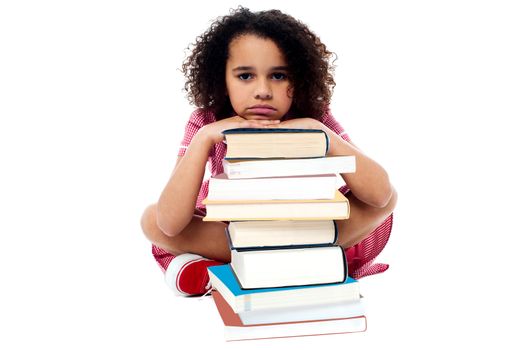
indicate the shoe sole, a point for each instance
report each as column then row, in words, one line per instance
column 176, row 268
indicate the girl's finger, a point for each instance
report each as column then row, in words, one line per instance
column 259, row 123
column 271, row 122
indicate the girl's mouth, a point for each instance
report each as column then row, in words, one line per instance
column 261, row 109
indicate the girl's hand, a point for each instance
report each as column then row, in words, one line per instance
column 214, row 131
column 300, row 123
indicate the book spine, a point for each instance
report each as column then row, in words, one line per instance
column 336, row 232
column 327, row 143
column 228, row 238
column 345, row 265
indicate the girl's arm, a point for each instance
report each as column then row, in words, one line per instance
column 176, row 204
column 370, row 184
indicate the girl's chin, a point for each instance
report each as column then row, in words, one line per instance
column 261, row 117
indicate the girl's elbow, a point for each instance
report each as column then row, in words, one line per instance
column 385, row 198
column 151, row 223
column 388, row 199
column 166, row 226
column 166, row 229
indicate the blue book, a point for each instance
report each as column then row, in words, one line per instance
column 225, row 282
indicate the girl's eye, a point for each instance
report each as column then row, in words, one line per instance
column 279, row 76
column 244, row 76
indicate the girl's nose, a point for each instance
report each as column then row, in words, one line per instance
column 263, row 91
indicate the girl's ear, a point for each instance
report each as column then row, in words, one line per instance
column 290, row 92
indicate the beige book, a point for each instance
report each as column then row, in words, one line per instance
column 275, row 143
column 319, row 209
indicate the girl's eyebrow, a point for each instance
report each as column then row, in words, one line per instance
column 280, row 68
column 242, row 68
column 245, row 68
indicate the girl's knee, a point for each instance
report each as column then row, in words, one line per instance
column 154, row 234
column 389, row 208
column 149, row 220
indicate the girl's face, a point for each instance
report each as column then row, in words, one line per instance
column 257, row 78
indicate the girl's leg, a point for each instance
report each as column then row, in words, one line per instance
column 363, row 220
column 208, row 239
column 364, row 235
column 205, row 238
column 360, row 257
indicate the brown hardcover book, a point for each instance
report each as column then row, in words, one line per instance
column 236, row 330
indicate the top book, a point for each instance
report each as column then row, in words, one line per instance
column 253, row 143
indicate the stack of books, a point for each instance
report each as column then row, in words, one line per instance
column 287, row 276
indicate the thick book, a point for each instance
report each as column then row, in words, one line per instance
column 314, row 209
column 235, row 329
column 242, row 169
column 268, row 268
column 249, row 143
column 323, row 186
column 224, row 281
column 329, row 310
column 246, row 234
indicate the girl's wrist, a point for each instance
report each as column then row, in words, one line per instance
column 338, row 146
column 323, row 127
column 204, row 137
column 315, row 124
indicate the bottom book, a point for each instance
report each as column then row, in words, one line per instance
column 235, row 329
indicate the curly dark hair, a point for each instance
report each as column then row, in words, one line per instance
column 310, row 71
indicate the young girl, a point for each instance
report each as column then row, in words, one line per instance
column 258, row 70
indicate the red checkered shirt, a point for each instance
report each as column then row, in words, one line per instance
column 359, row 257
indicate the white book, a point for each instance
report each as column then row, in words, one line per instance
column 245, row 234
column 242, row 169
column 267, row 268
column 316, row 312
column 268, row 188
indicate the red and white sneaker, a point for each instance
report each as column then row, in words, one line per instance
column 187, row 274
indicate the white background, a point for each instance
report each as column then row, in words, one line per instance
column 92, row 112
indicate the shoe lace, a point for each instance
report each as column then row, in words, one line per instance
column 208, row 288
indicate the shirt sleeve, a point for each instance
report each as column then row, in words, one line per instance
column 329, row 121
column 197, row 120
